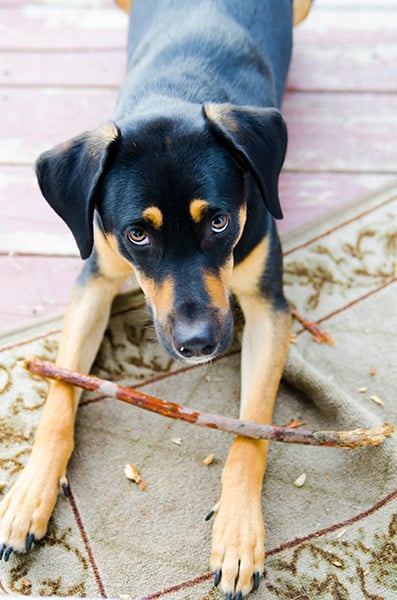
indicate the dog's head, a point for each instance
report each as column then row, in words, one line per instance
column 170, row 192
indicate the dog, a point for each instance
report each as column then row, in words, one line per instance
column 180, row 189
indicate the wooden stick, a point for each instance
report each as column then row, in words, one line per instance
column 345, row 439
column 319, row 335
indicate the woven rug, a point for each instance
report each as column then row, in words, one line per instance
column 335, row 536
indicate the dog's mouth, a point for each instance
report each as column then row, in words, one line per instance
column 196, row 360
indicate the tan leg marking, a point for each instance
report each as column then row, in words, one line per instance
column 238, row 535
column 28, row 506
column 300, row 10
column 125, row 5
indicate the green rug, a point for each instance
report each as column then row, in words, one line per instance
column 333, row 537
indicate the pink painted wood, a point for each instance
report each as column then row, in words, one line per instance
column 99, row 68
column 57, row 25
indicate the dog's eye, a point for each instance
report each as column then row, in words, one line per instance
column 219, row 223
column 138, row 236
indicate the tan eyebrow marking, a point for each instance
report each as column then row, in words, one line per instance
column 154, row 215
column 197, row 209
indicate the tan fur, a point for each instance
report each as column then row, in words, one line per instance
column 247, row 273
column 238, row 534
column 242, row 220
column 160, row 296
column 111, row 263
column 218, row 286
column 221, row 114
column 197, row 209
column 300, row 10
column 125, row 5
column 154, row 216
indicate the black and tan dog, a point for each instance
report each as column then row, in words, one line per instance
column 180, row 189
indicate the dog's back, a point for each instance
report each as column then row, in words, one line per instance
column 206, row 50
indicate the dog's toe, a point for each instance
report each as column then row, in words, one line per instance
column 25, row 512
column 237, row 556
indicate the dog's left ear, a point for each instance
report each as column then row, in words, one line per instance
column 259, row 139
column 68, row 177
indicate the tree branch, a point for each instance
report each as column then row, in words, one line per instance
column 346, row 439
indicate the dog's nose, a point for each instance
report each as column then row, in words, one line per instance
column 195, row 338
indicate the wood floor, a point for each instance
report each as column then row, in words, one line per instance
column 61, row 62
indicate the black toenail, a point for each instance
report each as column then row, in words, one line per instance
column 256, row 580
column 7, row 553
column 65, row 486
column 218, row 575
column 29, row 542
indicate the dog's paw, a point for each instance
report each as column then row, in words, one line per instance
column 238, row 547
column 26, row 510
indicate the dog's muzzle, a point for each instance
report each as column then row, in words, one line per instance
column 197, row 340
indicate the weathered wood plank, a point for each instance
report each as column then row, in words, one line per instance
column 340, row 68
column 65, row 4
column 100, row 68
column 28, row 225
column 341, row 132
column 349, row 4
column 52, row 26
column 37, row 287
column 35, row 119
column 32, row 26
column 308, row 197
column 371, row 67
column 21, row 203
column 350, row 25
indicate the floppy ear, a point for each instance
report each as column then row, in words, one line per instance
column 68, row 176
column 259, row 138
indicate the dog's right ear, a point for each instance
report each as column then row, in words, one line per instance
column 68, row 177
column 258, row 138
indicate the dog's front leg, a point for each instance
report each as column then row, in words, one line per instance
column 26, row 509
column 238, row 536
